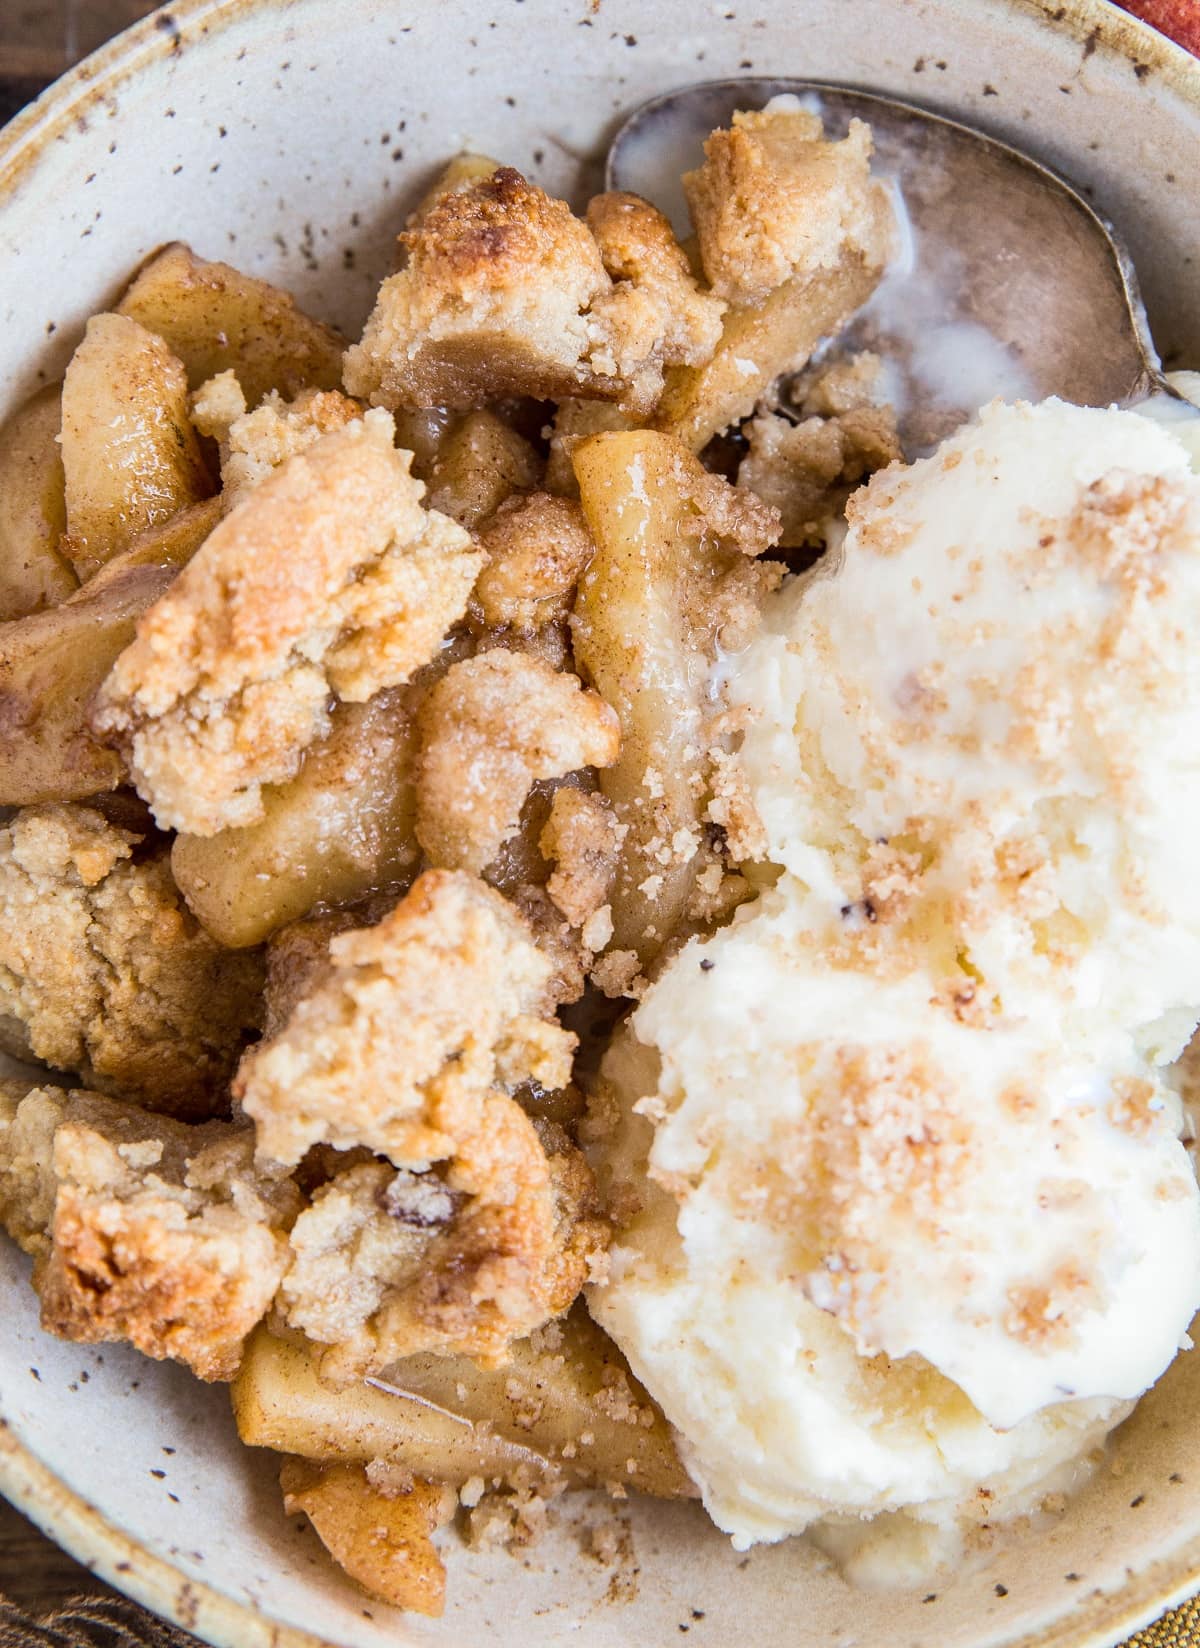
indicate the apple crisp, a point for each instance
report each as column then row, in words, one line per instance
column 375, row 764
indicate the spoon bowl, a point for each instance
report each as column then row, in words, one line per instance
column 1006, row 282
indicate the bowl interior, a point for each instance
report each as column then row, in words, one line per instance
column 288, row 137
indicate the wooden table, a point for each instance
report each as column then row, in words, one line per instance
column 38, row 40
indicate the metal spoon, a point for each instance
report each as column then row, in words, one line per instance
column 1010, row 282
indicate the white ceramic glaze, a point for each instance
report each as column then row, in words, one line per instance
column 287, row 136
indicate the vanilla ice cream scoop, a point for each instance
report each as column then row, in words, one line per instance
column 866, row 1269
column 850, row 1189
column 981, row 731
column 904, row 1217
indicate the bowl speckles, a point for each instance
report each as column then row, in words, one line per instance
column 288, row 136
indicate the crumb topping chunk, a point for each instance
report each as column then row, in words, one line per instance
column 388, row 1263
column 254, row 443
column 419, row 1018
column 504, row 291
column 328, row 580
column 105, row 972
column 774, row 198
column 143, row 1229
column 490, row 729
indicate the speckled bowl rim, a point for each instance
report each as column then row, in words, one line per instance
column 77, row 1524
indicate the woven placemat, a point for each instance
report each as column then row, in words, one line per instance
column 89, row 1622
column 1181, row 1627
column 113, row 1622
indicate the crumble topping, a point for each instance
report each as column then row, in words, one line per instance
column 505, row 292
column 416, row 1022
column 356, row 679
column 775, row 199
column 583, row 838
column 808, row 470
column 489, row 730
column 657, row 314
column 491, row 301
column 536, row 548
column 105, row 972
column 255, row 443
column 143, row 1228
column 387, row 1263
column 329, row 578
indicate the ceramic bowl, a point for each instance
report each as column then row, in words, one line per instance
column 288, row 136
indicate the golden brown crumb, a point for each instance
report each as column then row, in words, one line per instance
column 725, row 515
column 217, row 405
column 104, row 970
column 1121, row 524
column 418, row 1017
column 563, row 946
column 658, row 315
column 726, row 531
column 891, row 881
column 618, row 973
column 584, row 839
column 716, row 892
column 492, row 301
column 389, row 1262
column 1136, row 1106
column 727, row 612
column 490, row 728
column 394, row 1257
column 460, row 172
column 506, row 292
column 365, row 1235
column 887, row 1140
column 537, row 547
column 329, row 578
column 617, row 1400
column 143, row 1228
column 253, row 444
column 848, row 383
column 731, row 806
column 807, row 470
column 797, row 235
column 514, row 1517
column 774, row 199
column 888, row 1135
column 1045, row 1314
